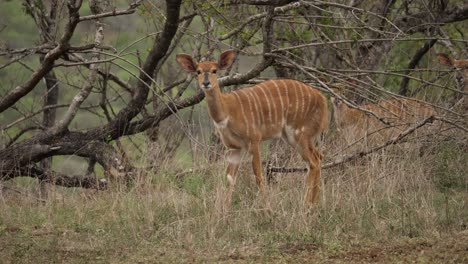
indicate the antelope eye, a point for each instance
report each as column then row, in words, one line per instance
column 214, row 71
column 198, row 72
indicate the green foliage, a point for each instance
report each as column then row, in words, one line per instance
column 176, row 215
column 173, row 213
column 450, row 167
column 19, row 30
column 193, row 184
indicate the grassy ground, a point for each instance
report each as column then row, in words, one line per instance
column 396, row 206
column 19, row 246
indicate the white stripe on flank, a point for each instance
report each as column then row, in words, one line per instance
column 307, row 88
column 250, row 106
column 314, row 104
column 257, row 100
column 281, row 102
column 243, row 113
column 287, row 97
column 302, row 100
column 273, row 104
column 268, row 102
column 257, row 114
column 297, row 101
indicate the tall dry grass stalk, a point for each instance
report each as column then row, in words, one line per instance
column 389, row 194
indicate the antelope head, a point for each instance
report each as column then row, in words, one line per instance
column 460, row 67
column 206, row 71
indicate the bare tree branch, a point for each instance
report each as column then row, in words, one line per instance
column 394, row 140
column 13, row 96
column 329, row 39
column 277, row 10
column 417, row 22
column 130, row 10
column 413, row 63
column 60, row 179
column 20, row 155
column 267, row 2
column 87, row 86
column 158, row 51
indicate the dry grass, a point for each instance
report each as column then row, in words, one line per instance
column 173, row 215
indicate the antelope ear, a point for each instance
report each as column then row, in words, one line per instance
column 444, row 59
column 226, row 59
column 187, row 62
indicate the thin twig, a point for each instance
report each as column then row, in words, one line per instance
column 130, row 10
column 396, row 139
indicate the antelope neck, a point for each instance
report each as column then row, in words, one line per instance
column 216, row 107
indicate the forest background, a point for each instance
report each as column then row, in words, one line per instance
column 106, row 143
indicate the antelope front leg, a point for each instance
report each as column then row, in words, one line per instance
column 257, row 168
column 313, row 157
column 233, row 158
column 313, row 178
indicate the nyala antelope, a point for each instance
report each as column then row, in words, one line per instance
column 355, row 124
column 286, row 109
column 461, row 74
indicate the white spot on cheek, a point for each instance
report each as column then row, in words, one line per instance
column 230, row 179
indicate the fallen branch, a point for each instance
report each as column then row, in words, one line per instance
column 61, row 179
column 392, row 141
column 445, row 120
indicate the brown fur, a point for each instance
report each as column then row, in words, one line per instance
column 400, row 113
column 276, row 108
column 461, row 74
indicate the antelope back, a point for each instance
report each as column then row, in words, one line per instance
column 267, row 108
column 400, row 113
